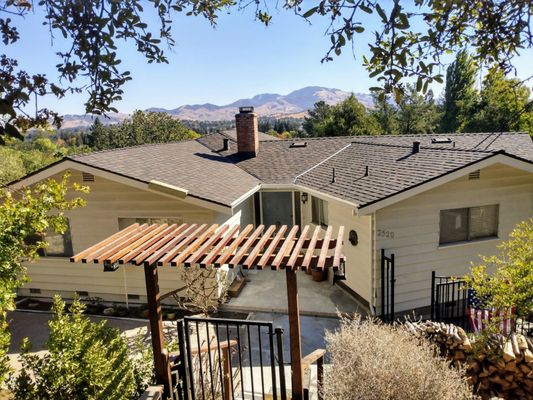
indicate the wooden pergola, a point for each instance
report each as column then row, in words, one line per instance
column 277, row 247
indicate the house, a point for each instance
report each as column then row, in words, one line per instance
column 434, row 201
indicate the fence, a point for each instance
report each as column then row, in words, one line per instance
column 388, row 282
column 229, row 359
column 450, row 301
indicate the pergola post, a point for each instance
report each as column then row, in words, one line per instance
column 294, row 334
column 161, row 361
column 189, row 245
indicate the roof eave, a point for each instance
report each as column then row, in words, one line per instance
column 500, row 157
column 68, row 163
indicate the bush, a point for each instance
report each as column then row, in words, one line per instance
column 85, row 360
column 506, row 279
column 383, row 362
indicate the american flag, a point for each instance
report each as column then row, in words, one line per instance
column 480, row 317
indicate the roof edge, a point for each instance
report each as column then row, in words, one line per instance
column 491, row 159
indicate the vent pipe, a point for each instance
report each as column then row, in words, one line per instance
column 416, row 147
column 225, row 145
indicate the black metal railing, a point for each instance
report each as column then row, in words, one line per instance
column 449, row 300
column 230, row 360
column 388, row 281
column 524, row 327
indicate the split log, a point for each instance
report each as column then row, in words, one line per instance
column 510, row 376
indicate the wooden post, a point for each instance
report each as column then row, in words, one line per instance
column 320, row 377
column 161, row 361
column 294, row 333
column 228, row 390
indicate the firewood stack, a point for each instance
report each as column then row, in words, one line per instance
column 497, row 366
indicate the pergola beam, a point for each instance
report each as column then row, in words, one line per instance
column 212, row 245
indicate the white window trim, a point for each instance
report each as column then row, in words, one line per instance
column 469, row 241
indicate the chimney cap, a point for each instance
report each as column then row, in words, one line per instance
column 416, row 146
column 246, row 109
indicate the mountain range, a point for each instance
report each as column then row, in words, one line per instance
column 294, row 104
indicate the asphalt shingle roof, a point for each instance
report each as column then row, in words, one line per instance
column 208, row 172
column 278, row 161
column 391, row 169
column 185, row 164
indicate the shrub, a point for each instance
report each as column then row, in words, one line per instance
column 85, row 360
column 506, row 279
column 383, row 362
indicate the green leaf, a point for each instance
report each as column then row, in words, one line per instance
column 310, row 12
column 381, row 13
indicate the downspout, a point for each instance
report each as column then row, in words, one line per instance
column 125, row 285
column 373, row 296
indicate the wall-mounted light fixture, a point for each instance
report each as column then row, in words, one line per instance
column 353, row 238
column 304, row 197
column 340, row 275
column 110, row 267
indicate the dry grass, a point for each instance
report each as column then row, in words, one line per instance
column 372, row 361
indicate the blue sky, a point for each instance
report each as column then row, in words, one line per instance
column 239, row 58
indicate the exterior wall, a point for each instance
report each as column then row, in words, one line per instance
column 242, row 214
column 107, row 201
column 358, row 258
column 410, row 230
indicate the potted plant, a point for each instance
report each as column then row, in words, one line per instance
column 319, row 275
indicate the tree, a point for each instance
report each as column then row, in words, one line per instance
column 85, row 361
column 386, row 115
column 11, row 165
column 460, row 95
column 417, row 113
column 24, row 217
column 204, row 289
column 151, row 127
column 315, row 123
column 506, row 279
column 504, row 105
column 347, row 118
column 413, row 37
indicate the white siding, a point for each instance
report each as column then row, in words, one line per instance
column 414, row 222
column 107, row 201
column 358, row 258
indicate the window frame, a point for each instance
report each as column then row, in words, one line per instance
column 322, row 210
column 67, row 244
column 469, row 235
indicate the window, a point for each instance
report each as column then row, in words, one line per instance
column 464, row 224
column 59, row 245
column 125, row 222
column 319, row 211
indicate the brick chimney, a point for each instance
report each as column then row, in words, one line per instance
column 247, row 131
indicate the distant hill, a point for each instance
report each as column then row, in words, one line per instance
column 266, row 104
column 71, row 121
column 294, row 104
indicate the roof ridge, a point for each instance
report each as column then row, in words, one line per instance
column 130, row 147
column 321, row 162
column 433, row 148
column 418, row 135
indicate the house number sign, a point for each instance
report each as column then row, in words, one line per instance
column 385, row 233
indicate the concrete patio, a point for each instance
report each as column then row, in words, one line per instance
column 266, row 291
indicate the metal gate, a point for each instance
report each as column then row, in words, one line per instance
column 449, row 300
column 388, row 282
column 229, row 360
